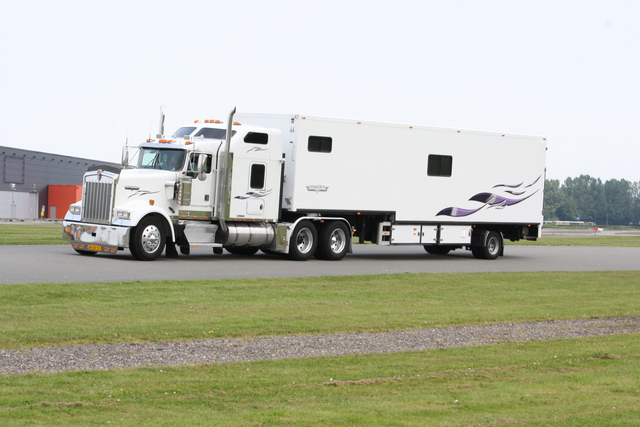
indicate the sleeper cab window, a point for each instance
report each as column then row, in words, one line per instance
column 320, row 144
column 256, row 138
column 439, row 165
column 213, row 133
column 256, row 181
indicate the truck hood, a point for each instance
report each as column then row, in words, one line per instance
column 135, row 183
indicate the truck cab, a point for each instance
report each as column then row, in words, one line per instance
column 177, row 190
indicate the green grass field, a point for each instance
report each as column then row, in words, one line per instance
column 580, row 382
column 577, row 382
column 69, row 313
column 37, row 233
column 604, row 241
column 561, row 382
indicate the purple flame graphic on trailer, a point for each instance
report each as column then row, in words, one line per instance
column 493, row 200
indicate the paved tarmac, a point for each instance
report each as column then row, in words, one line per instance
column 60, row 263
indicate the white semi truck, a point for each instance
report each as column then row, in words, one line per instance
column 306, row 186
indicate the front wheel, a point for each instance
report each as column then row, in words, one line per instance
column 147, row 239
column 333, row 241
column 304, row 240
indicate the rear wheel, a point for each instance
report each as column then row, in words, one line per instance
column 333, row 241
column 147, row 239
column 303, row 241
column 491, row 249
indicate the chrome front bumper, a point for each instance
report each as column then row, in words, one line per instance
column 95, row 237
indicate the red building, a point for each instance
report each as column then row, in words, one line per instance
column 60, row 197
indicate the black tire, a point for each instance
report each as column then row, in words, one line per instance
column 437, row 250
column 83, row 252
column 244, row 251
column 147, row 239
column 491, row 249
column 304, row 241
column 333, row 241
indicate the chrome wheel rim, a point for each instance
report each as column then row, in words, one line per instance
column 337, row 241
column 304, row 240
column 150, row 238
column 492, row 246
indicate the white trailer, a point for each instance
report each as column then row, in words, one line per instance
column 303, row 185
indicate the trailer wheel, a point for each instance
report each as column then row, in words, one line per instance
column 333, row 241
column 245, row 251
column 437, row 250
column 491, row 249
column 303, row 241
column 147, row 239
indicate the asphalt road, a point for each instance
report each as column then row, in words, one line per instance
column 60, row 264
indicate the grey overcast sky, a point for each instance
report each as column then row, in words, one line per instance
column 80, row 77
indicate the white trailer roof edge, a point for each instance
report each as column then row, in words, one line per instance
column 387, row 124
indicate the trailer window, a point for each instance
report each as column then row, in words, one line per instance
column 256, row 138
column 438, row 165
column 257, row 176
column 320, row 144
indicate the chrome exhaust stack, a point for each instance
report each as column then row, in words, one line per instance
column 161, row 124
column 223, row 178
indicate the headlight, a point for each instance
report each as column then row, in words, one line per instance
column 75, row 210
column 123, row 214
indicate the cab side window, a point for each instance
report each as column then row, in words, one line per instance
column 194, row 160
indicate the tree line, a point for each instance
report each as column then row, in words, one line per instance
column 614, row 202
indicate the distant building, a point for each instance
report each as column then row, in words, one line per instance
column 27, row 176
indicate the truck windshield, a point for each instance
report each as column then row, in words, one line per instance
column 161, row 158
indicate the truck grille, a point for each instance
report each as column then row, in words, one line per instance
column 96, row 206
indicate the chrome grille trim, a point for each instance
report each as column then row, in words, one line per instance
column 97, row 200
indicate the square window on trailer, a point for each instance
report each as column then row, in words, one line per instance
column 439, row 165
column 320, row 144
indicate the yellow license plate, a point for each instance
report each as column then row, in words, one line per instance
column 94, row 247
